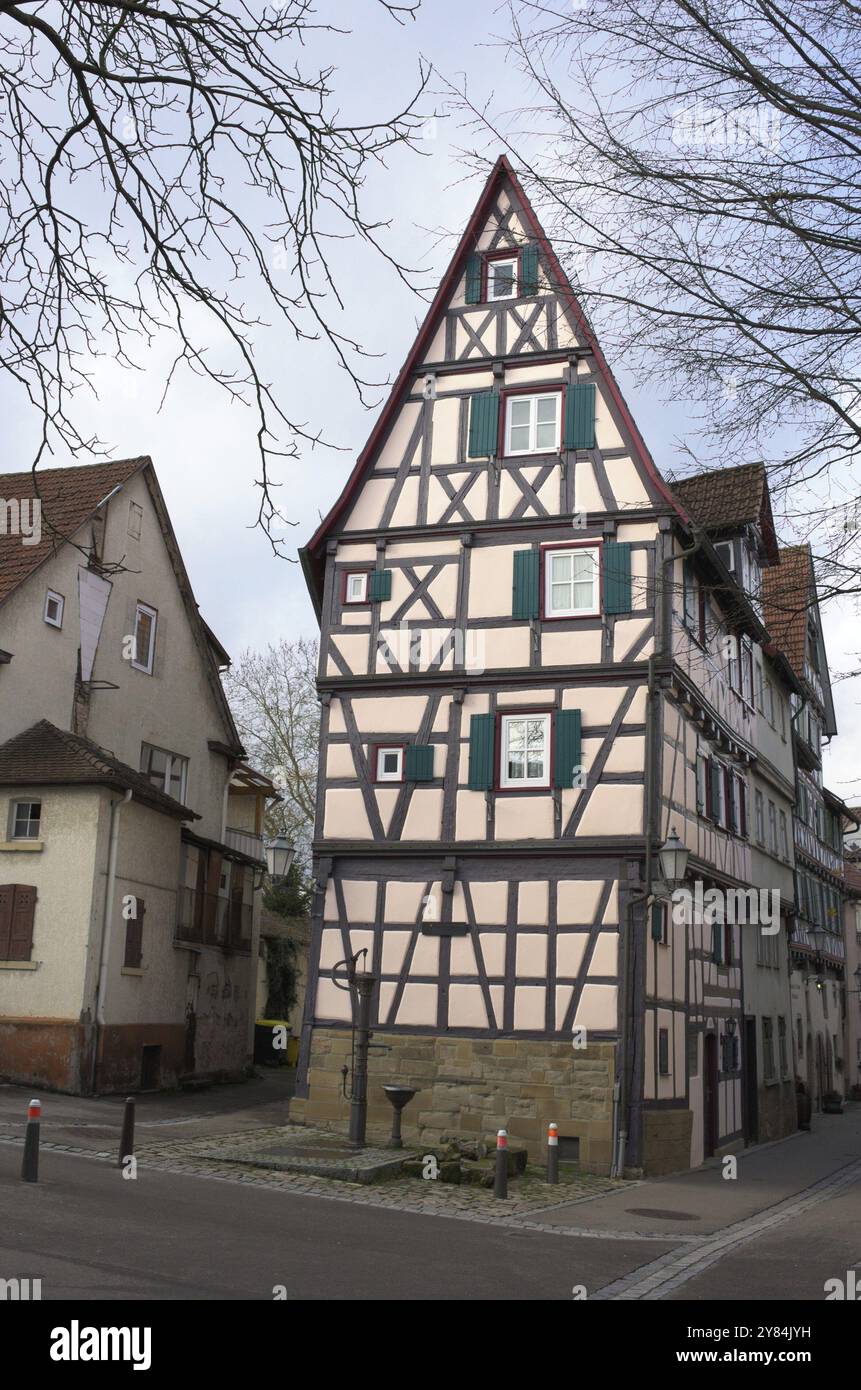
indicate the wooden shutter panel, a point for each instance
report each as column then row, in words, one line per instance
column 380, row 585
column 716, row 772
column 617, row 577
column 21, row 919
column 580, row 415
column 529, row 270
column 729, row 800
column 483, row 425
column 701, row 784
column 7, row 893
column 525, row 598
column 567, row 752
column 472, row 291
column 482, row 738
column 657, row 921
column 418, row 762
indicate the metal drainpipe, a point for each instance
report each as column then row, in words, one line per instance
column 625, row 1061
column 102, row 978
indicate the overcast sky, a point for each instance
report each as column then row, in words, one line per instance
column 204, row 447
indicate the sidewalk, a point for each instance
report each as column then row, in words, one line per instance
column 696, row 1204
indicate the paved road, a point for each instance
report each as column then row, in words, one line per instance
column 87, row 1233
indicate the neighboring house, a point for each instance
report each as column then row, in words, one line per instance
column 817, row 952
column 534, row 664
column 131, row 854
column 733, row 506
column 852, row 933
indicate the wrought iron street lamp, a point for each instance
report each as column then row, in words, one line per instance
column 673, row 857
column 279, row 857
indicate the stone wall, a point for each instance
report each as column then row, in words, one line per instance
column 473, row 1087
column 777, row 1111
column 666, row 1141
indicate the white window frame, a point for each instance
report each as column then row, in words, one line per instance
column 759, row 816
column 784, row 836
column 52, row 595
column 13, row 817
column 772, row 827
column 524, row 783
column 532, row 399
column 380, row 774
column 492, row 267
column 548, row 554
column 168, row 774
column 145, row 666
column 351, row 575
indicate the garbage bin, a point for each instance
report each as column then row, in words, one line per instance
column 271, row 1045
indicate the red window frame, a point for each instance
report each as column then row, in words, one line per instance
column 506, row 391
column 595, row 544
column 355, row 603
column 525, row 711
column 376, row 749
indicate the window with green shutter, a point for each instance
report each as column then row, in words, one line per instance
column 567, row 755
column 380, row 585
column 580, row 415
column 418, row 766
column 483, row 425
column 658, row 922
column 525, row 595
column 482, row 738
column 472, row 290
column 617, row 577
column 529, row 270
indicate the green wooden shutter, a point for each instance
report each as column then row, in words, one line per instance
column 657, row 921
column 418, row 764
column 524, row 602
column 529, row 270
column 716, row 772
column 617, row 577
column 483, row 425
column 580, row 415
column 380, row 585
column 481, row 744
column 472, row 292
column 567, row 757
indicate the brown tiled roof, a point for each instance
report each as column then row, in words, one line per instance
column 724, row 497
column 69, row 496
column 44, row 755
column 852, row 877
column 786, row 597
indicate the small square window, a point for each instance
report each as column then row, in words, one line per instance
column 532, row 424
column 356, row 587
column 502, row 279
column 571, row 582
column 389, row 764
column 144, row 644
column 26, row 820
column 54, row 605
column 525, row 751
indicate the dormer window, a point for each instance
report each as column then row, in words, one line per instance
column 502, row 279
column 54, row 605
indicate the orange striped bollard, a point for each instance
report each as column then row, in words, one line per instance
column 500, row 1178
column 552, row 1152
column 30, row 1161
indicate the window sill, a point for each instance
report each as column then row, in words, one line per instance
column 21, row 846
column 132, row 970
column 20, row 964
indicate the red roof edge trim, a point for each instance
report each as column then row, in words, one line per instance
column 425, row 333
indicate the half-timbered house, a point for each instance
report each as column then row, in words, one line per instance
column 525, row 684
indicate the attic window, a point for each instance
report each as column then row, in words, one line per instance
column 135, row 519
column 389, row 764
column 502, row 279
column 144, row 644
column 54, row 605
column 356, row 587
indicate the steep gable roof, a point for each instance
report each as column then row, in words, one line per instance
column 502, row 171
column 726, row 498
column 44, row 755
column 69, row 497
column 786, row 595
